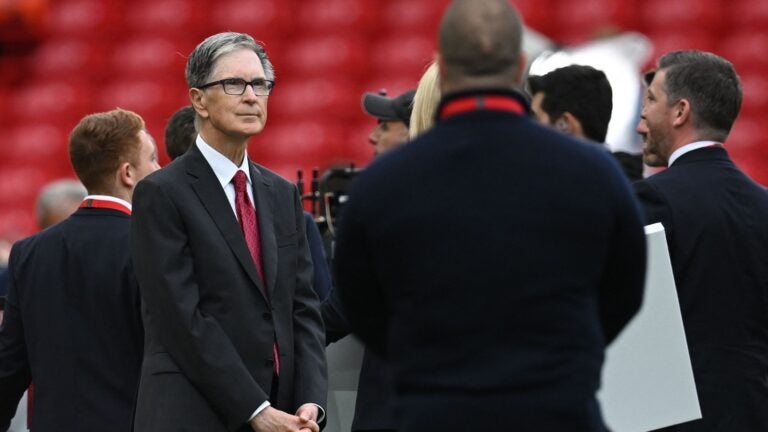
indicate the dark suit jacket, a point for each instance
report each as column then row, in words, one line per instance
column 208, row 360
column 491, row 260
column 716, row 220
column 375, row 407
column 73, row 326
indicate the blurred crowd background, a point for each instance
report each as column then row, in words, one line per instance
column 62, row 59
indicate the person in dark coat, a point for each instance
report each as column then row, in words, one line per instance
column 73, row 322
column 715, row 218
column 235, row 339
column 492, row 259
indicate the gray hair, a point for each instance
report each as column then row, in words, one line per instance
column 201, row 62
column 709, row 83
column 59, row 194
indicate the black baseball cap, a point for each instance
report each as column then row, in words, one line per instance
column 389, row 109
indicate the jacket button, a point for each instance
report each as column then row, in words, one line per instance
column 267, row 316
column 269, row 362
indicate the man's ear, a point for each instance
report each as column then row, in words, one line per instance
column 569, row 124
column 126, row 175
column 198, row 99
column 682, row 112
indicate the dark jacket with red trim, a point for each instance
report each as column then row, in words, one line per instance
column 491, row 260
column 73, row 326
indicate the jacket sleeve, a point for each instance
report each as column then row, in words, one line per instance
column 311, row 380
column 363, row 300
column 15, row 374
column 196, row 341
column 623, row 282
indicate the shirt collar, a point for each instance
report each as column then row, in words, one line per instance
column 223, row 168
column 109, row 198
column 690, row 147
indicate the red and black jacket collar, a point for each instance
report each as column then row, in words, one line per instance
column 459, row 103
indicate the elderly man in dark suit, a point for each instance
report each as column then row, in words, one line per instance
column 73, row 323
column 716, row 223
column 492, row 259
column 234, row 335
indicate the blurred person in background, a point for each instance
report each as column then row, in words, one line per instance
column 393, row 115
column 57, row 200
column 425, row 102
column 180, row 132
column 715, row 220
column 375, row 408
column 73, row 322
column 446, row 249
column 577, row 100
column 234, row 337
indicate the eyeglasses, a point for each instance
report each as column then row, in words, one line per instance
column 236, row 86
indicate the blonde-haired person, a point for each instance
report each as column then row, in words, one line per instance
column 425, row 102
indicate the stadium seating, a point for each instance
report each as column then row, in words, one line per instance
column 100, row 54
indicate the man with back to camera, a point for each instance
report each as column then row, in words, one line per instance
column 73, row 322
column 577, row 100
column 375, row 403
column 234, row 334
column 715, row 220
column 509, row 257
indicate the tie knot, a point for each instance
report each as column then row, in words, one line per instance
column 240, row 181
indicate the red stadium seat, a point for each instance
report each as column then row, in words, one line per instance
column 338, row 16
column 166, row 17
column 755, row 86
column 152, row 99
column 29, row 143
column 745, row 49
column 20, row 184
column 748, row 13
column 589, row 16
column 423, row 16
column 682, row 15
column 326, row 57
column 94, row 19
column 325, row 97
column 72, row 56
column 140, row 58
column 666, row 41
column 51, row 99
column 404, row 55
column 259, row 18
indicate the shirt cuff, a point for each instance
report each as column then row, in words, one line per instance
column 320, row 413
column 261, row 408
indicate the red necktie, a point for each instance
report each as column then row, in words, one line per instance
column 246, row 215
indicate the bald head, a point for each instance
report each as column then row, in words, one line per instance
column 479, row 44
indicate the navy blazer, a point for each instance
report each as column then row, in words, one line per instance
column 491, row 260
column 716, row 220
column 73, row 326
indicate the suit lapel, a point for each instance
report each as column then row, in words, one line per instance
column 208, row 189
column 263, row 197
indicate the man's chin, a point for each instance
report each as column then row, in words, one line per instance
column 654, row 161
